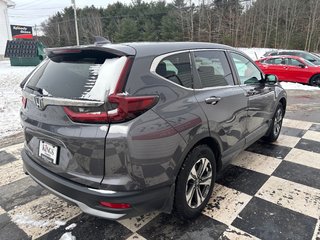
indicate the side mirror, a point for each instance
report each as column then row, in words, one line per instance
column 270, row 78
column 302, row 65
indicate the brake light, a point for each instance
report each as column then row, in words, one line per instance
column 66, row 51
column 115, row 205
column 129, row 107
column 24, row 101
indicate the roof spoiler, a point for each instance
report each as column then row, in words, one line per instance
column 117, row 51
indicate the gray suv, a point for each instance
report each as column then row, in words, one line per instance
column 123, row 129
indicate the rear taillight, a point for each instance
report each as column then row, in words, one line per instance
column 86, row 115
column 24, row 101
column 124, row 107
column 129, row 107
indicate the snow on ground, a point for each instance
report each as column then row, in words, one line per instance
column 298, row 86
column 255, row 53
column 10, row 97
column 67, row 236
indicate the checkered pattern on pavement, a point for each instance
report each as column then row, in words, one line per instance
column 270, row 191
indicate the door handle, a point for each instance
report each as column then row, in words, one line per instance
column 251, row 92
column 212, row 100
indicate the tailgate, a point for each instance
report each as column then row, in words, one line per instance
column 64, row 111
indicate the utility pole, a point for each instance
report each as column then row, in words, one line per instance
column 35, row 29
column 75, row 20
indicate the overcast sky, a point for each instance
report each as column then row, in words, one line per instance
column 31, row 12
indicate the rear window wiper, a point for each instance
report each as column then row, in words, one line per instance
column 39, row 90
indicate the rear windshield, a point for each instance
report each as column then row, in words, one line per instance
column 78, row 76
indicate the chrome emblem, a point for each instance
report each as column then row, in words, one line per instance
column 39, row 102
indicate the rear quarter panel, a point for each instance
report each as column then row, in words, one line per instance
column 157, row 139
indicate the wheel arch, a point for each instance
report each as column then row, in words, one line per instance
column 208, row 140
column 309, row 82
column 213, row 144
column 283, row 101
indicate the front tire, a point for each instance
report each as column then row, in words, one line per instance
column 276, row 125
column 195, row 182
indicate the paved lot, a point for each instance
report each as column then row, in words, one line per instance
column 271, row 191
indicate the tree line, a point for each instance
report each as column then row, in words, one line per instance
column 289, row 24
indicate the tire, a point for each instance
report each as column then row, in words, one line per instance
column 315, row 81
column 193, row 189
column 275, row 127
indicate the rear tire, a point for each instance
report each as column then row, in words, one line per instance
column 315, row 81
column 195, row 182
column 275, row 127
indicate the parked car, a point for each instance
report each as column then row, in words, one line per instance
column 317, row 54
column 303, row 54
column 291, row 69
column 123, row 129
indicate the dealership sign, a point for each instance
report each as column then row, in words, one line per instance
column 21, row 31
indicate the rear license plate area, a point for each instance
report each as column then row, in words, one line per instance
column 48, row 152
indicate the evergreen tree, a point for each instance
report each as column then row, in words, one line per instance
column 128, row 31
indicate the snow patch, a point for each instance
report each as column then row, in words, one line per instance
column 10, row 97
column 71, row 226
column 107, row 78
column 59, row 223
column 255, row 53
column 67, row 236
column 298, row 86
column 25, row 220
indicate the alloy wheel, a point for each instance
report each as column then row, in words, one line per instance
column 277, row 122
column 199, row 183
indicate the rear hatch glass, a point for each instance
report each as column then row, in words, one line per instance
column 84, row 75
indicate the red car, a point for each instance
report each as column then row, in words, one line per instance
column 291, row 69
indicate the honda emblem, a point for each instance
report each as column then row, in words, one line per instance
column 39, row 102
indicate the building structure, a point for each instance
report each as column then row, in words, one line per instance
column 5, row 32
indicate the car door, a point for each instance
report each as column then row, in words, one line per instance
column 297, row 71
column 260, row 97
column 275, row 66
column 223, row 102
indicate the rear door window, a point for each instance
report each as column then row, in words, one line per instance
column 78, row 76
column 177, row 69
column 213, row 68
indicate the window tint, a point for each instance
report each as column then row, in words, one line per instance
column 213, row 68
column 177, row 69
column 247, row 71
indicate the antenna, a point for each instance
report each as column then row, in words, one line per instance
column 98, row 40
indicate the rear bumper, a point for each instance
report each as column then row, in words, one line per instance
column 88, row 198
